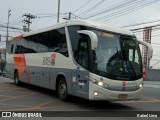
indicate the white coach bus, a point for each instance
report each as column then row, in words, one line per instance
column 80, row 58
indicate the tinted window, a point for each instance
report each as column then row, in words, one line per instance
column 18, row 47
column 51, row 41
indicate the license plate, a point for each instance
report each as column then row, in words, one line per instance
column 122, row 96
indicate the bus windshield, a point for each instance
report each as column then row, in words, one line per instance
column 117, row 55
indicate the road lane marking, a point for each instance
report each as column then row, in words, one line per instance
column 18, row 91
column 15, row 105
column 39, row 108
column 16, row 97
column 33, row 106
column 10, row 90
column 6, row 85
column 45, row 103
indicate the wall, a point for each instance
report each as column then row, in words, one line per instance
column 153, row 74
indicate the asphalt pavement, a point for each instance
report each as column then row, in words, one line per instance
column 32, row 98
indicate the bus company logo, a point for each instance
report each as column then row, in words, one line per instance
column 53, row 57
column 49, row 60
column 46, row 61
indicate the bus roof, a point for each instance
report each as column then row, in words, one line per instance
column 84, row 23
column 101, row 26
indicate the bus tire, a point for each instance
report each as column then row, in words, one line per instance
column 62, row 90
column 16, row 79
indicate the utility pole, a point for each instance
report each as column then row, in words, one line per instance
column 9, row 14
column 28, row 20
column 58, row 11
column 69, row 16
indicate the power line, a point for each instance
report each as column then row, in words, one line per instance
column 10, row 27
column 89, row 10
column 123, row 8
column 10, row 31
column 111, row 8
column 141, row 30
column 41, row 14
column 128, row 8
column 82, row 6
column 137, row 24
column 75, row 16
column 152, row 26
column 11, row 21
column 137, row 5
column 47, row 15
column 151, row 36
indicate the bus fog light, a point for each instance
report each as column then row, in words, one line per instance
column 100, row 84
column 95, row 93
column 140, row 85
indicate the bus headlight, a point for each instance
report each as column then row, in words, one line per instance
column 95, row 93
column 140, row 85
column 99, row 83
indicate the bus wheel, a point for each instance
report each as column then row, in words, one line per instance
column 62, row 89
column 16, row 79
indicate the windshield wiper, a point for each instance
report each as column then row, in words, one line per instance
column 132, row 67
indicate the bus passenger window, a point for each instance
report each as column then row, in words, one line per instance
column 63, row 49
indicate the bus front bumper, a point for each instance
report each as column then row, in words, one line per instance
column 98, row 93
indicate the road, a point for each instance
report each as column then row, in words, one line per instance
column 31, row 98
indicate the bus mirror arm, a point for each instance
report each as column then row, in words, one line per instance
column 150, row 49
column 93, row 37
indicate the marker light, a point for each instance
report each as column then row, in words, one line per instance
column 100, row 84
column 95, row 93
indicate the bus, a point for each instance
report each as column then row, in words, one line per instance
column 81, row 58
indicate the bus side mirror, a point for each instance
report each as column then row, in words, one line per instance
column 93, row 37
column 150, row 49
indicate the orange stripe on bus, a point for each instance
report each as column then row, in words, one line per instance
column 27, row 73
column 20, row 65
column 17, row 37
column 19, row 62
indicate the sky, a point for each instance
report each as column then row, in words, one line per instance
column 138, row 11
